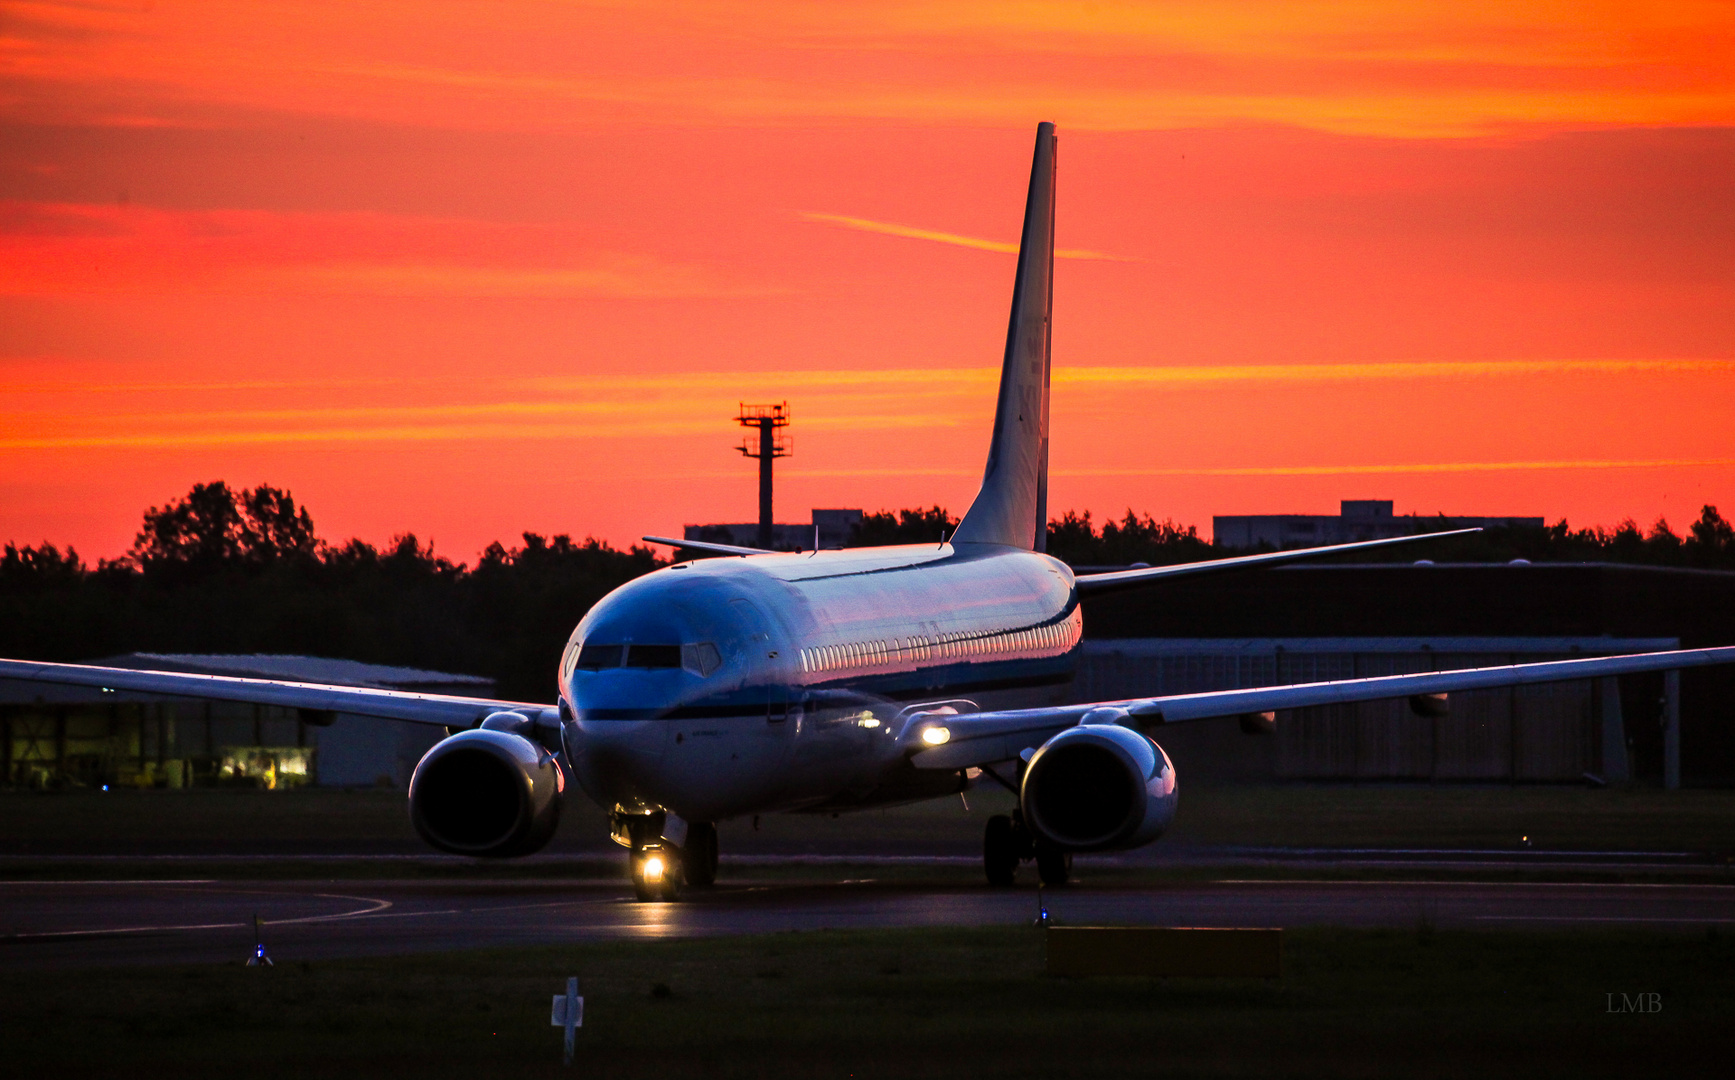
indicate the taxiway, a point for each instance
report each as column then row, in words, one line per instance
column 70, row 924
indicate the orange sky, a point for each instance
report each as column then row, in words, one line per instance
column 471, row 269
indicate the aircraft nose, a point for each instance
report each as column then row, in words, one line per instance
column 643, row 740
column 616, row 760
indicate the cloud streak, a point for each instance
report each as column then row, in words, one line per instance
column 1399, row 469
column 37, row 417
column 86, row 249
column 912, row 232
column 724, row 385
column 1372, row 66
column 1416, row 468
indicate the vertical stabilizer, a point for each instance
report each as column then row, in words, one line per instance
column 1012, row 507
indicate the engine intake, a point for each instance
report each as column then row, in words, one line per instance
column 1098, row 786
column 486, row 792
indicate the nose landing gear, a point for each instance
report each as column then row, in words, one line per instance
column 1007, row 842
column 659, row 868
column 656, row 873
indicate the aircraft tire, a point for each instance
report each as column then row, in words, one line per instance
column 699, row 857
column 1053, row 866
column 1000, row 851
column 667, row 888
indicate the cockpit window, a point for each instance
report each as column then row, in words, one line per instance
column 654, row 656
column 701, row 659
column 597, row 657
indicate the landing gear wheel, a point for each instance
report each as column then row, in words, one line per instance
column 656, row 874
column 1053, row 866
column 1000, row 851
column 699, row 856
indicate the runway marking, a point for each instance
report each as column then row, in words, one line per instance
column 477, row 910
column 610, row 862
column 118, row 881
column 1481, row 884
column 1604, row 918
column 547, row 904
column 845, row 860
column 1408, row 864
column 121, row 930
column 380, row 913
column 1527, row 852
column 378, row 905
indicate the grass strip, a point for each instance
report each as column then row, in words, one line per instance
column 903, row 1003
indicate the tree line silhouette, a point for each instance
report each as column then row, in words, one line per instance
column 224, row 571
column 228, row 571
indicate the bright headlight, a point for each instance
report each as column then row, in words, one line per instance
column 653, row 868
column 936, row 736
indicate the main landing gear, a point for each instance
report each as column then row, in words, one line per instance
column 700, row 855
column 1007, row 842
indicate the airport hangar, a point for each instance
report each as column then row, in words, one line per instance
column 1288, row 625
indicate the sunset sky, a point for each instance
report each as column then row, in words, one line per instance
column 469, row 269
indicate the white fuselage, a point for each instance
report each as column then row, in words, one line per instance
column 737, row 685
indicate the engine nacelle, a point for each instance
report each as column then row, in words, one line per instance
column 486, row 792
column 1098, row 786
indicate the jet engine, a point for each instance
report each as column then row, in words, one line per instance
column 1098, row 786
column 492, row 791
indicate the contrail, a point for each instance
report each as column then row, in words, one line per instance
column 958, row 239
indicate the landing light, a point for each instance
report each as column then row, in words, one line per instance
column 936, row 736
column 653, row 868
column 868, row 722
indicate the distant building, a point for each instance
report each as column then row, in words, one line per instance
column 85, row 736
column 833, row 529
column 1313, row 623
column 1361, row 519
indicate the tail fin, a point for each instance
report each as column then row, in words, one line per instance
column 1012, row 506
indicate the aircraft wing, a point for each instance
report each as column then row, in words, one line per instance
column 984, row 738
column 1091, row 584
column 705, row 545
column 315, row 697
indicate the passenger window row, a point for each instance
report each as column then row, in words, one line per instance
column 955, row 646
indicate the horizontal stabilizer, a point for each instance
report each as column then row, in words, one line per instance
column 1122, row 579
column 701, row 545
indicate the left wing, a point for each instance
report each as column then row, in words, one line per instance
column 316, row 697
column 956, row 742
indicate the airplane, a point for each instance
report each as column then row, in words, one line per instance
column 828, row 681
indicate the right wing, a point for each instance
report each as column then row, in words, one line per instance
column 315, row 697
column 985, row 738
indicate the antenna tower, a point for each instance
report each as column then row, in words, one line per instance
column 771, row 444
